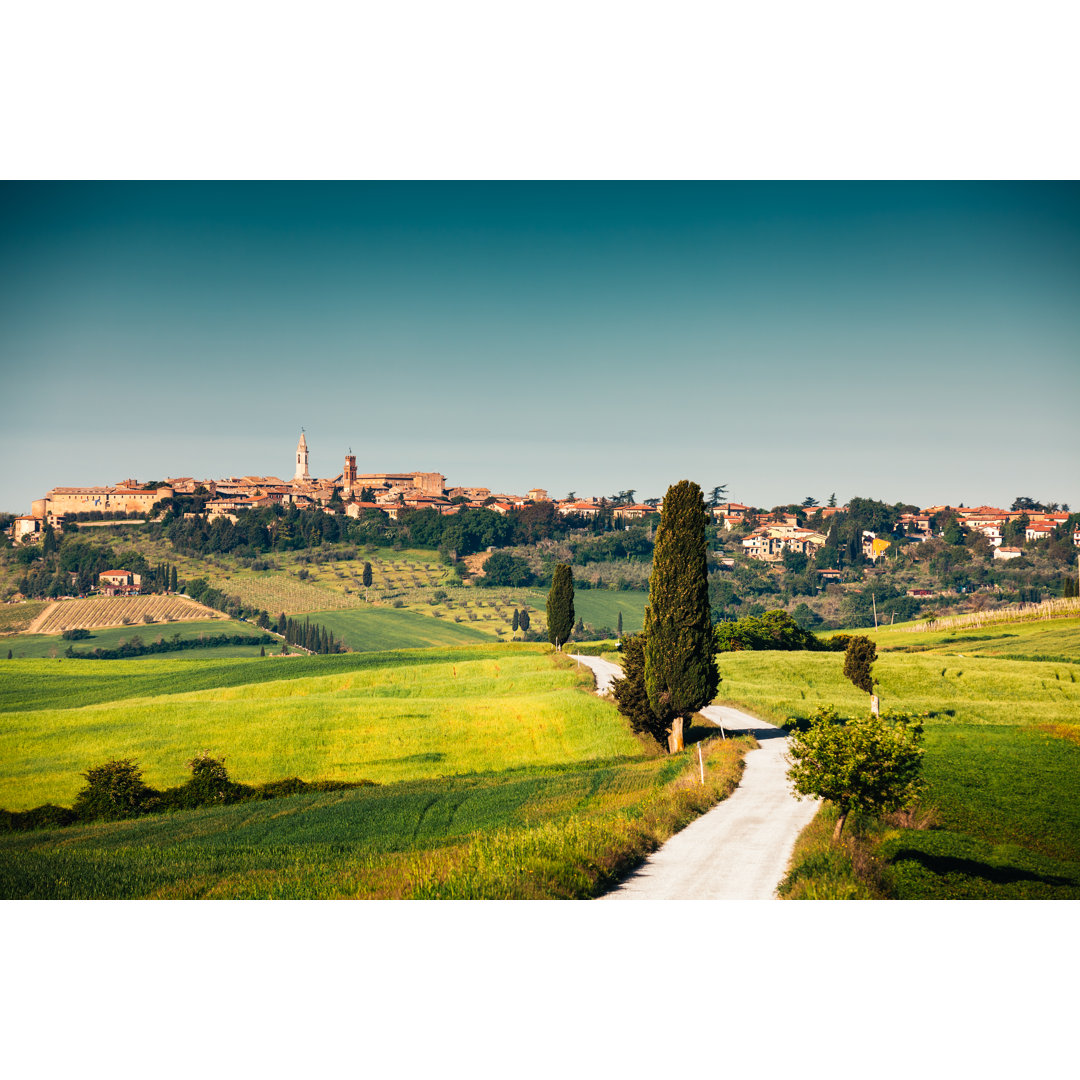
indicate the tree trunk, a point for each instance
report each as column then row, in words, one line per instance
column 839, row 825
column 675, row 739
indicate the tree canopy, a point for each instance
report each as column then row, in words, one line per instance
column 871, row 763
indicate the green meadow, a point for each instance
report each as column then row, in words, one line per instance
column 495, row 709
column 38, row 646
column 498, row 773
column 376, row 629
column 1002, row 761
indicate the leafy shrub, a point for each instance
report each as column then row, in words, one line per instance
column 114, row 790
column 75, row 635
column 773, row 630
column 209, row 785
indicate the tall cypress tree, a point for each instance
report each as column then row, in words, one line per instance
column 680, row 668
column 560, row 605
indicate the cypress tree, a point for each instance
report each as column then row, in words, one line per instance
column 516, row 621
column 173, row 579
column 560, row 605
column 680, row 668
column 859, row 658
column 523, row 619
column 367, row 575
column 618, row 627
column 629, row 691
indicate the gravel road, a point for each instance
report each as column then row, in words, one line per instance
column 740, row 849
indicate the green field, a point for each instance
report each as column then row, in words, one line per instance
column 601, row 607
column 490, row 708
column 1002, row 750
column 372, row 629
column 38, row 646
column 499, row 774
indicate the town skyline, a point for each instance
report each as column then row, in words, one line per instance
column 913, row 342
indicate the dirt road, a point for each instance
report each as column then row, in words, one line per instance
column 740, row 849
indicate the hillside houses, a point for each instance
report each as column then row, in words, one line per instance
column 769, row 542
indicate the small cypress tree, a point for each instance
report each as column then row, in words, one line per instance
column 680, row 668
column 560, row 605
column 523, row 619
column 262, row 650
column 618, row 626
column 516, row 621
column 859, row 658
column 172, row 579
column 367, row 575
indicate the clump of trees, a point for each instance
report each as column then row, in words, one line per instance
column 505, row 570
column 680, row 671
column 774, row 630
column 870, row 764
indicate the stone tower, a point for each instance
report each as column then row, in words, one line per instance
column 348, row 474
column 301, row 460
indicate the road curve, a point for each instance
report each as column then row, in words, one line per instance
column 740, row 849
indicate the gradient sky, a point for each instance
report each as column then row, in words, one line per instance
column 896, row 341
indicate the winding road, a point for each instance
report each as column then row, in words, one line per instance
column 740, row 849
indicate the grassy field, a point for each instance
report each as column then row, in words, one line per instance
column 496, row 708
column 1002, row 750
column 14, row 618
column 560, row 831
column 499, row 774
column 39, row 646
column 371, row 629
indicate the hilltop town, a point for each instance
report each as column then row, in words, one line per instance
column 769, row 535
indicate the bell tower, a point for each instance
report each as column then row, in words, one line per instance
column 301, row 459
column 348, row 474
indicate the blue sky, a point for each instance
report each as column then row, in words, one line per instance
column 900, row 341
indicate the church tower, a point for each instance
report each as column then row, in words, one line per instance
column 348, row 474
column 302, row 473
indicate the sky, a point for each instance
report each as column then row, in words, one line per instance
column 915, row 342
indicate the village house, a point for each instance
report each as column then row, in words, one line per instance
column 1007, row 553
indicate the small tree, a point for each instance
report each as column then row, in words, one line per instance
column 859, row 658
column 870, row 764
column 618, row 626
column 367, row 575
column 516, row 621
column 523, row 619
column 560, row 605
column 630, row 694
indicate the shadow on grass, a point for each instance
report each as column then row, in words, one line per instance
column 997, row 875
column 419, row 758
